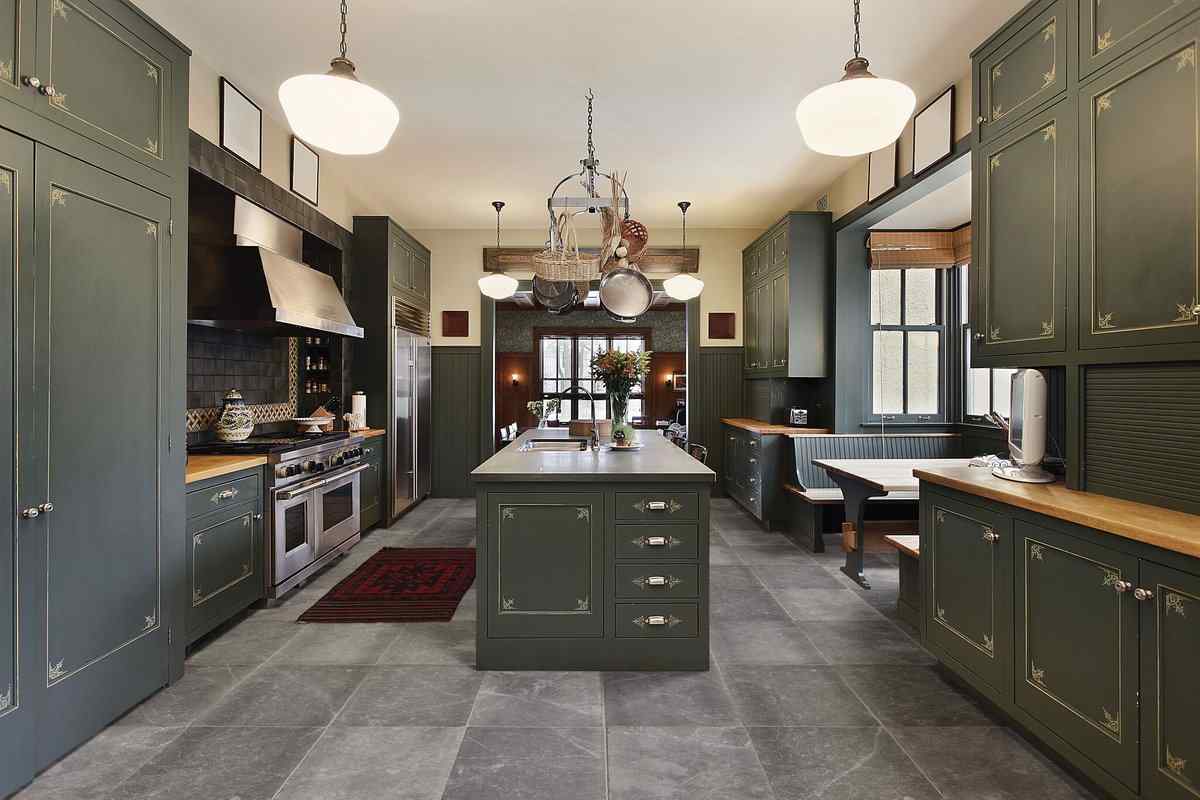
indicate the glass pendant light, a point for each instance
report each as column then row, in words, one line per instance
column 498, row 285
column 337, row 112
column 860, row 113
column 684, row 286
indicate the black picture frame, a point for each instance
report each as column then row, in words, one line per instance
column 235, row 141
column 942, row 156
column 300, row 148
column 873, row 159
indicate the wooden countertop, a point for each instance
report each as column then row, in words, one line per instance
column 200, row 468
column 371, row 433
column 767, row 429
column 1160, row 527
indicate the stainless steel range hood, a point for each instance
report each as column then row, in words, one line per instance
column 260, row 286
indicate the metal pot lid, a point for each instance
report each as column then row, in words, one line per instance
column 626, row 293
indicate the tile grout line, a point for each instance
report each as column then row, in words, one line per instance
column 720, row 670
column 604, row 732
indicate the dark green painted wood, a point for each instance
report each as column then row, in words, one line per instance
column 1026, row 70
column 371, row 485
column 714, row 393
column 1077, row 645
column 657, row 581
column 909, row 605
column 640, row 620
column 225, row 561
column 456, row 439
column 545, row 576
column 230, row 491
column 1123, row 238
column 658, row 505
column 18, row 48
column 1110, row 28
column 1170, row 704
column 658, row 541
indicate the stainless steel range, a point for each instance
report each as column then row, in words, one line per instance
column 312, row 503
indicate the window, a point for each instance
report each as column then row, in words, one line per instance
column 984, row 390
column 907, row 349
column 565, row 359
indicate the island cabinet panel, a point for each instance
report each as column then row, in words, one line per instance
column 1170, row 701
column 1110, row 28
column 1025, row 70
column 969, row 617
column 1139, row 254
column 1025, row 202
column 1077, row 648
column 547, row 572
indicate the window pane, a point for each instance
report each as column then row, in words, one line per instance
column 636, row 409
column 978, row 399
column 920, row 297
column 964, row 296
column 885, row 297
column 887, row 366
column 1002, row 391
column 923, row 372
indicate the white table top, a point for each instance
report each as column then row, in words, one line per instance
column 886, row 474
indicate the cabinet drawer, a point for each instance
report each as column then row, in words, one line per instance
column 657, row 620
column 657, row 541
column 1025, row 71
column 651, row 505
column 639, row 581
column 223, row 495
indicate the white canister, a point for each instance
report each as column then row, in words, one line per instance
column 358, row 410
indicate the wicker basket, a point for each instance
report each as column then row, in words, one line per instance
column 561, row 260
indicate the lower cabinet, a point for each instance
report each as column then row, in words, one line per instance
column 225, row 551
column 755, row 469
column 371, row 486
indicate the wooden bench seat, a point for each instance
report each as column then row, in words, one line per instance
column 908, row 602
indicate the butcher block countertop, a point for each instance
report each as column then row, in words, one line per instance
column 1152, row 525
column 201, row 468
column 767, row 429
column 371, row 433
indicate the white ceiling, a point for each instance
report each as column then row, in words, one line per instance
column 695, row 98
column 946, row 209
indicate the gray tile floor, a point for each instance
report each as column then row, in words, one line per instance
column 816, row 691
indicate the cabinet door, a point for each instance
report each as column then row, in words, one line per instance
column 1028, row 69
column 1026, row 181
column 762, row 317
column 1139, row 261
column 109, row 84
column 22, row 557
column 371, row 491
column 17, row 48
column 104, row 284
column 1110, row 28
column 546, row 565
column 1170, row 702
column 779, row 320
column 780, row 251
column 969, row 613
column 224, row 555
column 421, row 275
column 750, row 329
column 400, row 264
column 1077, row 645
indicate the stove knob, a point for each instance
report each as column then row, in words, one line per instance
column 294, row 469
column 282, row 471
column 338, row 461
column 309, row 466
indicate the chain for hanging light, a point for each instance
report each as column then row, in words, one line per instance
column 857, row 28
column 344, row 10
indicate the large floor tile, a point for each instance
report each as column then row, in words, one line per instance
column 538, row 699
column 412, row 696
column 249, row 643
column 967, row 763
column 530, row 764
column 794, row 576
column 300, row 696
column 761, row 642
column 655, row 699
column 744, row 604
column 903, row 695
column 322, row 643
column 720, row 555
column 772, row 554
column 182, row 703
column 823, row 604
column 94, row 769
column 467, row 610
column 839, row 764
column 432, row 643
column 376, row 764
column 864, row 642
column 246, row 763
column 775, row 695
column 684, row 763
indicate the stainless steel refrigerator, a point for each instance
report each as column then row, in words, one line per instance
column 412, row 437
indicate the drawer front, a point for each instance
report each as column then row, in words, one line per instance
column 1024, row 72
column 224, row 495
column 657, row 620
column 641, row 581
column 665, row 506
column 657, row 541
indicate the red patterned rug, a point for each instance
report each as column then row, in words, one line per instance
column 400, row 584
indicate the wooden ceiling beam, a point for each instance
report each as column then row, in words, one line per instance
column 655, row 259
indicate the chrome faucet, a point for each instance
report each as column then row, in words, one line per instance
column 595, row 436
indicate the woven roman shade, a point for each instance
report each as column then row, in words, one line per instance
column 923, row 249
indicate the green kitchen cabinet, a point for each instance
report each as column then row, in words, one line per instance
column 1077, row 644
column 1139, row 260
column 409, row 265
column 18, row 44
column 1026, row 69
column 523, row 597
column 1021, row 273
column 779, row 321
column 371, row 487
column 1108, row 29
column 1170, row 707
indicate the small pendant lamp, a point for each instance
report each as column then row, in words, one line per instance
column 684, row 286
column 498, row 285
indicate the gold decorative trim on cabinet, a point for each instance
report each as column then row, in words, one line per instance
column 1104, row 41
column 1175, row 604
column 1105, row 321
column 1050, row 30
column 1185, row 58
column 6, row 71
column 59, row 8
column 1050, row 132
column 58, row 197
column 6, row 698
column 1035, row 552
column 1049, row 77
column 55, row 671
column 1104, row 103
column 6, row 180
column 1038, row 676
column 1048, row 329
column 1175, row 764
column 1111, row 723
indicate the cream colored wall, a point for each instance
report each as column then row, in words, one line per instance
column 850, row 191
column 457, row 265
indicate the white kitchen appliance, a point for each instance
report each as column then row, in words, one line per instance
column 1027, row 430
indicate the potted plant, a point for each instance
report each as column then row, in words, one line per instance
column 620, row 372
column 543, row 410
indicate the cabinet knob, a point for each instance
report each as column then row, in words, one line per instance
column 1142, row 595
column 258, row 517
column 48, row 90
column 32, row 81
column 1121, row 587
column 1196, row 311
column 978, row 337
column 990, row 536
column 981, row 119
column 31, row 513
column 46, row 507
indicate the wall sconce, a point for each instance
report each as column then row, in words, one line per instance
column 670, row 379
column 515, row 379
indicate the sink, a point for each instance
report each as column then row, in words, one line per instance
column 555, row 445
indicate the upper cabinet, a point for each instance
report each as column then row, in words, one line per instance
column 1026, row 70
column 17, row 44
column 1110, row 28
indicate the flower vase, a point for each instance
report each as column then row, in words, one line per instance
column 622, row 431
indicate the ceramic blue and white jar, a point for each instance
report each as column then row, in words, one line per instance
column 236, row 422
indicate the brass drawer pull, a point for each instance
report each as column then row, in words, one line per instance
column 654, row 541
column 656, row 505
column 1142, row 595
column 656, row 581
column 657, row 621
column 224, row 494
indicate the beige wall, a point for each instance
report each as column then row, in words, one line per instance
column 458, row 264
column 850, row 191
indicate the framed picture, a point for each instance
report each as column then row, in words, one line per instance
column 679, row 382
column 306, row 171
column 241, row 125
column 882, row 166
column 933, row 132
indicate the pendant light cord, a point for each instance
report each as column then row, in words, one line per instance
column 344, row 27
column 498, row 204
column 857, row 24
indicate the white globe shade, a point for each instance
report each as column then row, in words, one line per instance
column 498, row 286
column 857, row 115
column 338, row 113
column 683, row 287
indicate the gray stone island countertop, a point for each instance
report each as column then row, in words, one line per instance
column 658, row 461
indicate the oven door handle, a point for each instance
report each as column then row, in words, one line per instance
column 304, row 488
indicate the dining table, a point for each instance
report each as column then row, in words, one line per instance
column 864, row 479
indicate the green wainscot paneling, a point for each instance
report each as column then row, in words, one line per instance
column 1108, row 29
column 1024, row 71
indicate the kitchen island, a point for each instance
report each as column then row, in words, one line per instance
column 592, row 560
